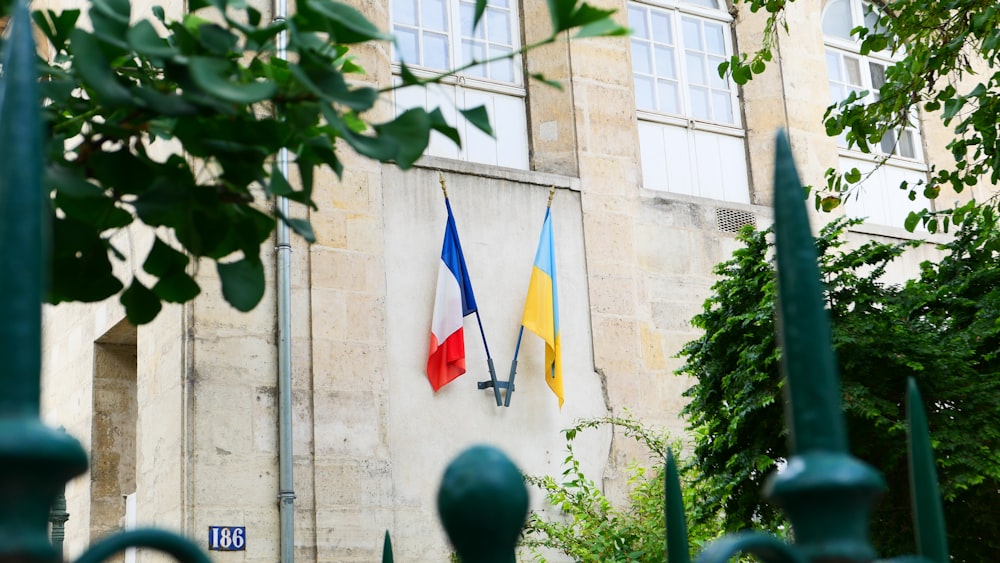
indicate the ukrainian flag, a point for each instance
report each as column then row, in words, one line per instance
column 541, row 307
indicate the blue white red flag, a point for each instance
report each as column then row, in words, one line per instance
column 453, row 301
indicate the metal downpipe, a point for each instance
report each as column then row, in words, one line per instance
column 283, row 250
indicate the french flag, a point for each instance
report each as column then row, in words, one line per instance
column 453, row 301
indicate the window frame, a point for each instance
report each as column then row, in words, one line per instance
column 842, row 49
column 455, row 38
column 677, row 10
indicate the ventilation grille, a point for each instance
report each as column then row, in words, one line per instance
column 732, row 220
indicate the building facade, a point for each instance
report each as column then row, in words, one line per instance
column 656, row 162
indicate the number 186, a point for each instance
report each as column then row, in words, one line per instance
column 227, row 538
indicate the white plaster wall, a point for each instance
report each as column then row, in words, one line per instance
column 499, row 222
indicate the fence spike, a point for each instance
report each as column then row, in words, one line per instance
column 928, row 514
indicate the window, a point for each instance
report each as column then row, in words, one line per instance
column 878, row 197
column 849, row 71
column 436, row 35
column 689, row 120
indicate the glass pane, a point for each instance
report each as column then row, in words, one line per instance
column 433, row 15
column 501, row 70
column 663, row 29
column 705, row 3
column 714, row 79
column 637, row 22
column 692, row 34
column 644, row 96
column 665, row 67
column 836, row 93
column 669, row 101
column 722, row 107
column 907, row 146
column 837, row 19
column 406, row 43
column 436, row 51
column 466, row 13
column 888, row 143
column 498, row 3
column 695, row 69
column 473, row 50
column 640, row 57
column 871, row 19
column 853, row 68
column 877, row 72
column 833, row 67
column 498, row 24
column 699, row 102
column 404, row 11
column 715, row 42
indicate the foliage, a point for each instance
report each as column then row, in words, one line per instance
column 176, row 125
column 943, row 329
column 938, row 45
column 589, row 528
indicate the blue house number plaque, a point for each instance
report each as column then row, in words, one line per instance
column 227, row 538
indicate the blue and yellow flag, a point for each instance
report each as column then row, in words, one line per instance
column 541, row 307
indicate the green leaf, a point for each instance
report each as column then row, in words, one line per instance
column 278, row 185
column 853, row 176
column 407, row 76
column 541, row 78
column 177, row 288
column 560, row 12
column 141, row 304
column 217, row 39
column 242, row 282
column 164, row 260
column 440, row 124
column 346, row 24
column 479, row 118
column 606, row 27
column 585, row 14
column 830, row 203
column 329, row 84
column 215, row 77
column 119, row 10
column 144, row 39
column 95, row 70
column 911, row 221
column 80, row 261
column 406, row 136
column 479, row 10
column 56, row 26
column 84, row 201
column 166, row 104
column 952, row 107
column 303, row 228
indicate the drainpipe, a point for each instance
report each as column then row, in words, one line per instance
column 283, row 249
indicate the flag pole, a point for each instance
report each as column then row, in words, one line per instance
column 517, row 349
column 513, row 368
column 489, row 361
column 479, row 320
